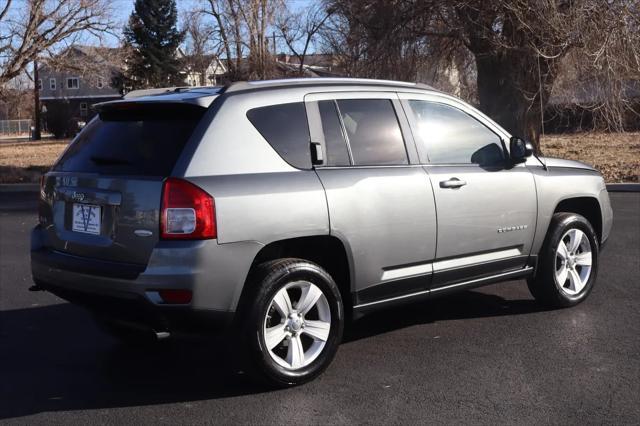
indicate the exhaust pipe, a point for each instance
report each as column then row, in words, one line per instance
column 162, row 335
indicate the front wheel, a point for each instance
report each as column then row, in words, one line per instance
column 294, row 321
column 568, row 262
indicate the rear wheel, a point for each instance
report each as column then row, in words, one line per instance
column 568, row 262
column 293, row 322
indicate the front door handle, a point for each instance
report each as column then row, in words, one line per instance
column 452, row 183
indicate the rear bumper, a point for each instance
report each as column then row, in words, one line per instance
column 132, row 310
column 214, row 273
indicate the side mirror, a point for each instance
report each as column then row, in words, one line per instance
column 519, row 150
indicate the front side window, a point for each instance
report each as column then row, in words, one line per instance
column 451, row 136
column 286, row 129
column 373, row 132
column 73, row 83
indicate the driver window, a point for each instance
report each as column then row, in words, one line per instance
column 451, row 136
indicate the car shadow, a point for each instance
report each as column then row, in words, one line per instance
column 464, row 305
column 53, row 358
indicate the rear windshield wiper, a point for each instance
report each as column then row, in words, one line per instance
column 109, row 160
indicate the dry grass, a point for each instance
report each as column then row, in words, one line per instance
column 616, row 155
column 26, row 161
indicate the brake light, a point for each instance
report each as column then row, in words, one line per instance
column 187, row 213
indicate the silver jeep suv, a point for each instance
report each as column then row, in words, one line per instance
column 276, row 209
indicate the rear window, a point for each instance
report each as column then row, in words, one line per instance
column 286, row 129
column 133, row 140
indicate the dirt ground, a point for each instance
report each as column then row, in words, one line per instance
column 616, row 155
column 25, row 161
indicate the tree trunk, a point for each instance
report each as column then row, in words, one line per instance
column 501, row 99
column 509, row 90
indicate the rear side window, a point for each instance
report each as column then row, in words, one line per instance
column 337, row 153
column 136, row 140
column 286, row 129
column 373, row 131
column 451, row 136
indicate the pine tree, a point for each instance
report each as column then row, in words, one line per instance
column 151, row 40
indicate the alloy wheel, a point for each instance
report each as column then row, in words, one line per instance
column 573, row 261
column 297, row 325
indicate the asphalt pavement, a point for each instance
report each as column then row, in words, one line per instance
column 488, row 356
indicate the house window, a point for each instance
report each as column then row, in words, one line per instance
column 100, row 83
column 39, row 84
column 73, row 83
column 52, row 83
column 83, row 109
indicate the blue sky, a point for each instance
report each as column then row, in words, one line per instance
column 123, row 9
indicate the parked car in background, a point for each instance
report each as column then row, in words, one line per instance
column 276, row 210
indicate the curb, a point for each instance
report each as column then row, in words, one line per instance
column 623, row 187
column 19, row 187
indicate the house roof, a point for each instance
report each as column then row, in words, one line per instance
column 110, row 57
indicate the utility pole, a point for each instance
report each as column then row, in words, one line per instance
column 275, row 52
column 36, row 97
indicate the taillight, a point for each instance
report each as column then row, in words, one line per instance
column 188, row 212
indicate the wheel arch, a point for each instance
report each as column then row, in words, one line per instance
column 325, row 250
column 589, row 207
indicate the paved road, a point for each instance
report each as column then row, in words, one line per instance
column 484, row 356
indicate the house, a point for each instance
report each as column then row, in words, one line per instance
column 83, row 76
column 584, row 104
column 315, row 65
column 201, row 70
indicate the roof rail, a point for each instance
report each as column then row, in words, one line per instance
column 148, row 92
column 165, row 90
column 248, row 85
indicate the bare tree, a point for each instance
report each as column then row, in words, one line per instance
column 299, row 29
column 227, row 30
column 376, row 38
column 242, row 27
column 201, row 44
column 517, row 45
column 37, row 27
column 257, row 17
column 602, row 77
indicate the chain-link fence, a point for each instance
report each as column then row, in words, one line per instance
column 15, row 127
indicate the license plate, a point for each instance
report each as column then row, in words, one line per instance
column 86, row 218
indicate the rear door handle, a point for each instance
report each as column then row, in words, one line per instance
column 452, row 183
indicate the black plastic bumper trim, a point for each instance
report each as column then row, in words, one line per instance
column 68, row 262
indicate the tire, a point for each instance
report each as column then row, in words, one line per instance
column 566, row 273
column 284, row 344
